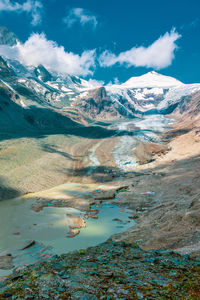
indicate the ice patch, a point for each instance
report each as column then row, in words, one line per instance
column 147, row 129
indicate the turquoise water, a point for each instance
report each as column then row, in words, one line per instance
column 49, row 228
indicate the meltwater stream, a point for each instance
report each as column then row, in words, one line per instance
column 49, row 228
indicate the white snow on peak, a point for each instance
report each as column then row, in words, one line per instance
column 152, row 79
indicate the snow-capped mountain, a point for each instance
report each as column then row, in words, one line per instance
column 41, row 85
column 147, row 94
column 152, row 80
column 151, row 93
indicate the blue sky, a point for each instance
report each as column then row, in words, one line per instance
column 97, row 36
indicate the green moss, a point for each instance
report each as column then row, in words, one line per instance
column 82, row 251
column 122, row 191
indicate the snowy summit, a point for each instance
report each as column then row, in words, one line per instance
column 152, row 79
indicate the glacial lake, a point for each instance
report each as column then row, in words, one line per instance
column 48, row 228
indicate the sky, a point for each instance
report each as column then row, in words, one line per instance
column 109, row 41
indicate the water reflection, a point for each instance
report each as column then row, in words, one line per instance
column 51, row 227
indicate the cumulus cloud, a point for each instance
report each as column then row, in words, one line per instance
column 32, row 7
column 158, row 55
column 115, row 81
column 96, row 83
column 38, row 50
column 81, row 16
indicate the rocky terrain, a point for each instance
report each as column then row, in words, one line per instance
column 116, row 270
column 134, row 145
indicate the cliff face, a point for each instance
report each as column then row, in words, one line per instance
column 97, row 105
column 186, row 118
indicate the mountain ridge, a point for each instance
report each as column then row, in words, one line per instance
column 152, row 79
column 150, row 93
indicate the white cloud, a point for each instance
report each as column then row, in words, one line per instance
column 158, row 55
column 38, row 50
column 115, row 81
column 80, row 15
column 96, row 83
column 32, row 7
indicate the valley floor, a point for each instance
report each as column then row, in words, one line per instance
column 163, row 195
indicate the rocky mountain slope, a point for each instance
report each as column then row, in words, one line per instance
column 7, row 37
column 114, row 269
column 36, row 102
column 148, row 94
column 151, row 93
column 138, row 145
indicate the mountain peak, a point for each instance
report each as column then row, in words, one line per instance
column 7, row 37
column 152, row 79
column 42, row 73
column 152, row 73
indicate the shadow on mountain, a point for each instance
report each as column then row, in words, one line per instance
column 183, row 168
column 172, row 133
column 16, row 122
column 163, row 111
column 35, row 121
column 179, row 167
column 53, row 149
column 7, row 192
column 100, row 174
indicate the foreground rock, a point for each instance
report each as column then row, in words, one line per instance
column 6, row 262
column 166, row 206
column 104, row 195
column 28, row 245
column 114, row 269
column 74, row 223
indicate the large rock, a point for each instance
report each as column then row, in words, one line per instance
column 74, row 223
column 103, row 195
column 6, row 262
